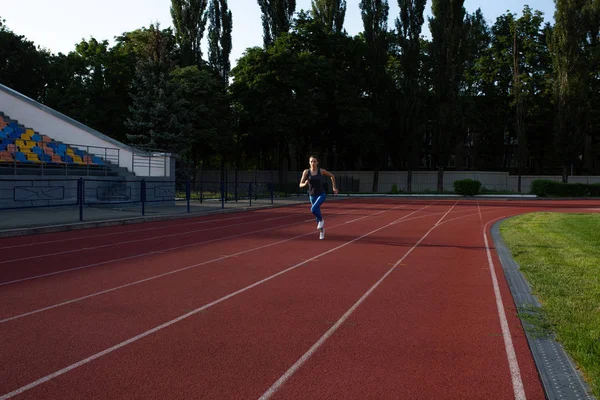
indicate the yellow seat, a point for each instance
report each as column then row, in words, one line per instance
column 32, row 157
column 20, row 143
column 78, row 160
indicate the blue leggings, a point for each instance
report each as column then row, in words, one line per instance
column 316, row 202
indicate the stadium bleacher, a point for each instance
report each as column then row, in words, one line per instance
column 21, row 145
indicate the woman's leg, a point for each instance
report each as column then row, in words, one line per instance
column 316, row 202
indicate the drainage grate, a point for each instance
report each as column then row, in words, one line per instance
column 560, row 378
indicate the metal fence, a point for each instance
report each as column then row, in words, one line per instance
column 115, row 198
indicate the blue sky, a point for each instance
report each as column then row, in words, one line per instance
column 59, row 24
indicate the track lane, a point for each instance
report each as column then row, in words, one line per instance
column 159, row 384
column 31, row 262
column 94, row 316
column 430, row 331
column 18, row 299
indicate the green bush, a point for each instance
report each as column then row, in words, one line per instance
column 395, row 189
column 595, row 190
column 543, row 187
column 467, row 187
column 572, row 190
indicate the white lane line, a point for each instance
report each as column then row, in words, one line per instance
column 152, row 252
column 37, row 244
column 187, row 315
column 149, row 253
column 223, row 257
column 511, row 355
column 252, row 213
column 292, row 370
column 137, row 240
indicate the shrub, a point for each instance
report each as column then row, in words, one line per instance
column 595, row 190
column 467, row 187
column 543, row 187
column 394, row 188
column 572, row 190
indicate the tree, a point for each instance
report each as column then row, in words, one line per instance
column 23, row 67
column 158, row 113
column 189, row 20
column 330, row 13
column 411, row 100
column 219, row 38
column 448, row 51
column 375, row 16
column 207, row 107
column 276, row 18
column 569, row 44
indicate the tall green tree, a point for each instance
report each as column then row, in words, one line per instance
column 276, row 18
column 412, row 100
column 330, row 13
column 219, row 38
column 571, row 83
column 530, row 69
column 377, row 39
column 591, row 163
column 449, row 52
column 479, row 92
column 207, row 107
column 158, row 112
column 23, row 67
column 189, row 20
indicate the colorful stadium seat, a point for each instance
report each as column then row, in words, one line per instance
column 24, row 145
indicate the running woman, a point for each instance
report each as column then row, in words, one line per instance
column 315, row 179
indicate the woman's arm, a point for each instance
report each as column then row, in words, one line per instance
column 329, row 174
column 304, row 179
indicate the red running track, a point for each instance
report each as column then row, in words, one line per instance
column 404, row 299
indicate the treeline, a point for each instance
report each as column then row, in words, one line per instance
column 520, row 95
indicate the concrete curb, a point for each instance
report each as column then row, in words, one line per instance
column 560, row 378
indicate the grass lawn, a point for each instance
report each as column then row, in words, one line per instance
column 559, row 255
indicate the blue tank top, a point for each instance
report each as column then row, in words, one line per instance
column 315, row 183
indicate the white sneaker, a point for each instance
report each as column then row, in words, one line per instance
column 322, row 234
column 320, row 224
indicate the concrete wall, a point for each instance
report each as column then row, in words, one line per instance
column 422, row 180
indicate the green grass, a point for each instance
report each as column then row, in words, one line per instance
column 559, row 255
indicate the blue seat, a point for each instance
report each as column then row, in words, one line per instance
column 97, row 160
column 20, row 157
column 37, row 150
column 45, row 158
column 36, row 138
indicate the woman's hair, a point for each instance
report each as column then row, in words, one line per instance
column 313, row 156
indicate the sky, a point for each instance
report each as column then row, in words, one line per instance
column 58, row 25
